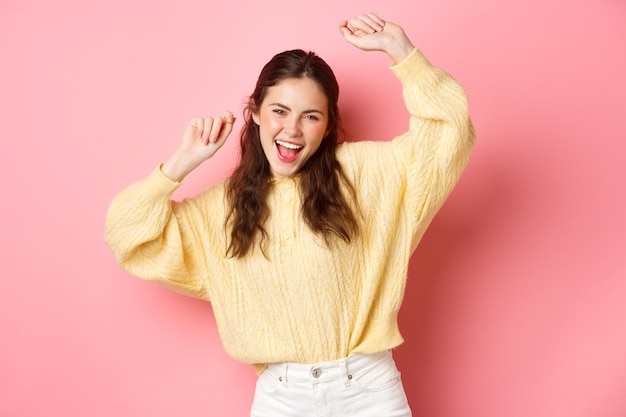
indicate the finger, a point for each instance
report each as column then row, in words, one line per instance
column 378, row 23
column 196, row 123
column 228, row 117
column 365, row 24
column 227, row 127
column 206, row 130
column 344, row 29
column 194, row 128
column 215, row 129
column 343, row 26
column 358, row 27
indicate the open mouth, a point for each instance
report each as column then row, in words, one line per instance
column 287, row 151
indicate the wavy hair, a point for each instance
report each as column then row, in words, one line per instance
column 325, row 209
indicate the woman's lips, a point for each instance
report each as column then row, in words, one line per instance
column 287, row 151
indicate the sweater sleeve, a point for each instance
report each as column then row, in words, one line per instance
column 436, row 148
column 410, row 177
column 150, row 237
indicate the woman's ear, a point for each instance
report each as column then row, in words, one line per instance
column 255, row 112
column 328, row 130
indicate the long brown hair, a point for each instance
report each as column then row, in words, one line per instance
column 325, row 209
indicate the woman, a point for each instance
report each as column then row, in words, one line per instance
column 303, row 251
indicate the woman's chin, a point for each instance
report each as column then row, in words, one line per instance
column 285, row 171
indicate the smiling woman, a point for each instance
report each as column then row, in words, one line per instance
column 303, row 252
column 291, row 129
column 292, row 122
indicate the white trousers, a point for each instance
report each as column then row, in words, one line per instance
column 359, row 385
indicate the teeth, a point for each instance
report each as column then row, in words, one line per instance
column 289, row 145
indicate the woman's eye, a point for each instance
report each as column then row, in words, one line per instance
column 279, row 111
column 312, row 117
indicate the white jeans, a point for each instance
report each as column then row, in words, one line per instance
column 360, row 385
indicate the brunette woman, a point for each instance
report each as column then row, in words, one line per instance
column 303, row 251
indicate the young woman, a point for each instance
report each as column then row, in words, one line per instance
column 303, row 251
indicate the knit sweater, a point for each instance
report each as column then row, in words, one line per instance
column 307, row 301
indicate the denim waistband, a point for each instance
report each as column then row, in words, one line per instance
column 325, row 371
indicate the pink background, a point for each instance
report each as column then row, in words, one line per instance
column 516, row 302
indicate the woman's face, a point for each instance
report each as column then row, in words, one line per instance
column 293, row 120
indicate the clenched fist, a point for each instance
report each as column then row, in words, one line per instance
column 201, row 139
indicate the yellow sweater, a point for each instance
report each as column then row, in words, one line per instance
column 308, row 303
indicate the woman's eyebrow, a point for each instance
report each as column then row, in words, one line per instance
column 287, row 108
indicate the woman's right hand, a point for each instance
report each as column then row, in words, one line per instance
column 201, row 139
column 371, row 33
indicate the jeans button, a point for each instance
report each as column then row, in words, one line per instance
column 316, row 372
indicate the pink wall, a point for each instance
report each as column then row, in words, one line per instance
column 516, row 303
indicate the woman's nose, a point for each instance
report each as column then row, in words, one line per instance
column 292, row 127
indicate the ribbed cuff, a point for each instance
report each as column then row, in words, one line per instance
column 414, row 65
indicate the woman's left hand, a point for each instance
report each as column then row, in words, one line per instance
column 371, row 33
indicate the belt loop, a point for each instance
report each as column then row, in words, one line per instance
column 284, row 376
column 343, row 368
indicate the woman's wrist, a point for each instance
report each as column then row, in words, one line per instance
column 398, row 51
column 177, row 167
